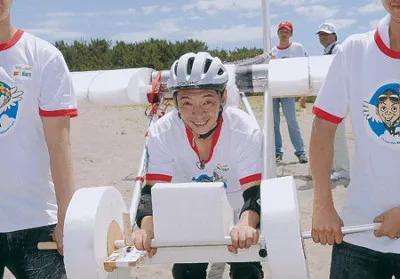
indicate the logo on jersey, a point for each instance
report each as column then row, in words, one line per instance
column 9, row 99
column 219, row 175
column 383, row 113
column 22, row 72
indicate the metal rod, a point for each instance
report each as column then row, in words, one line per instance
column 269, row 138
column 141, row 173
column 223, row 242
column 350, row 229
column 266, row 26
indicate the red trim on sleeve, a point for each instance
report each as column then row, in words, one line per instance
column 384, row 48
column 327, row 116
column 159, row 177
column 13, row 40
column 251, row 178
column 139, row 178
column 62, row 112
column 283, row 48
column 214, row 140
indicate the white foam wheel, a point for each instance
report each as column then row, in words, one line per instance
column 92, row 224
column 281, row 229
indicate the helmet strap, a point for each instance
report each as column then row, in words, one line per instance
column 209, row 133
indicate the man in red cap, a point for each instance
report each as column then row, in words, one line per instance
column 287, row 49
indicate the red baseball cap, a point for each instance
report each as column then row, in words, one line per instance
column 285, row 24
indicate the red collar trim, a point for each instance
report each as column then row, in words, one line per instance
column 384, row 48
column 214, row 140
column 283, row 48
column 13, row 40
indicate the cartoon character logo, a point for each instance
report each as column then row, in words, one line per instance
column 218, row 175
column 383, row 113
column 9, row 98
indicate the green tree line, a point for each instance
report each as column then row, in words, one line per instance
column 101, row 54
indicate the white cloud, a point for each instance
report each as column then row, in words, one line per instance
column 373, row 7
column 166, row 9
column 148, row 10
column 316, row 12
column 159, row 30
column 250, row 15
column 196, row 18
column 342, row 23
column 230, row 34
column 129, row 11
column 56, row 33
column 214, row 6
column 223, row 5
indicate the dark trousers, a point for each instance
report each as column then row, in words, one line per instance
column 355, row 262
column 19, row 253
column 251, row 270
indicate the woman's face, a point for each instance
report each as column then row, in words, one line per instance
column 5, row 7
column 393, row 7
column 199, row 109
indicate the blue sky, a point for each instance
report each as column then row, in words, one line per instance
column 220, row 23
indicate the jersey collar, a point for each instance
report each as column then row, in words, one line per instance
column 215, row 138
column 382, row 38
column 12, row 41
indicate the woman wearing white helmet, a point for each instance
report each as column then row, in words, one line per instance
column 200, row 141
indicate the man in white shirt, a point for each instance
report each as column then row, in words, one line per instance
column 364, row 82
column 36, row 103
column 203, row 141
column 287, row 49
column 328, row 38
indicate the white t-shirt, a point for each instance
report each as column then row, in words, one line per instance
column 332, row 48
column 235, row 159
column 293, row 50
column 363, row 69
column 34, row 82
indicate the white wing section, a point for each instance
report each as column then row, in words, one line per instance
column 113, row 87
column 297, row 76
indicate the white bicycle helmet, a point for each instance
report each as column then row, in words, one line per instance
column 197, row 71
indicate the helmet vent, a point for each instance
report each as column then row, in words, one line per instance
column 207, row 65
column 190, row 65
column 221, row 72
column 176, row 68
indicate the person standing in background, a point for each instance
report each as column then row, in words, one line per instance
column 341, row 165
column 287, row 49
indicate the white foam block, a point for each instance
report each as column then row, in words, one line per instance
column 88, row 218
column 288, row 77
column 319, row 66
column 281, row 228
column 81, row 82
column 113, row 87
column 190, row 212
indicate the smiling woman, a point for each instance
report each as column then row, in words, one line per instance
column 203, row 141
column 200, row 109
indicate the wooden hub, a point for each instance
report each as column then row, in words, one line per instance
column 114, row 233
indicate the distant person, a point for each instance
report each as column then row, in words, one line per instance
column 287, row 49
column 37, row 101
column 341, row 165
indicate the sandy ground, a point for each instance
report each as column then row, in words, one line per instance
column 107, row 144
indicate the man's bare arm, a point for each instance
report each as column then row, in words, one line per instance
column 57, row 132
column 321, row 158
